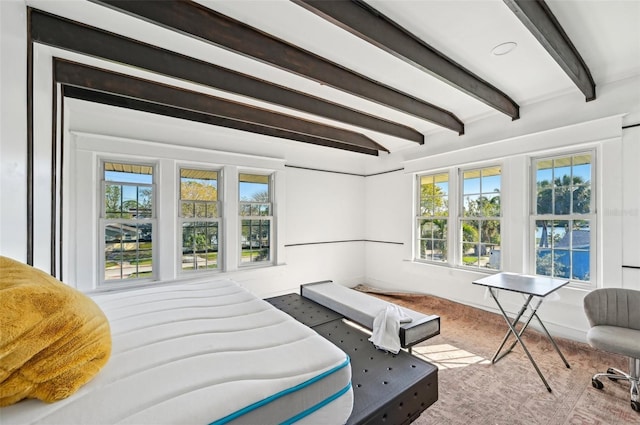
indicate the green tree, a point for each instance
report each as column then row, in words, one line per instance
column 130, row 205
column 262, row 196
column 433, row 229
column 195, row 241
column 145, row 198
column 558, row 196
column 469, row 236
column 469, row 232
column 255, row 233
column 112, row 201
column 477, row 233
column 566, row 195
column 198, row 199
column 490, row 231
column 546, row 265
column 433, row 200
column 191, row 190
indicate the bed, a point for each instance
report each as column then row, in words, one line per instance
column 204, row 353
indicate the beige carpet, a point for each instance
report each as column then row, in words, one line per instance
column 474, row 391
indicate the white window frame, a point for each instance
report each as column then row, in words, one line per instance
column 418, row 217
column 271, row 218
column 461, row 218
column 181, row 220
column 103, row 221
column 592, row 216
column 83, row 250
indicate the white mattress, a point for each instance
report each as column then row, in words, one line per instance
column 204, row 353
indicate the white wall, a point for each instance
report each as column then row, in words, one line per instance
column 320, row 212
column 324, row 226
column 558, row 125
column 13, row 129
column 340, row 207
column 630, row 211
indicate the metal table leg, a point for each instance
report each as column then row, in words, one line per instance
column 506, row 336
column 517, row 335
column 552, row 340
column 544, row 328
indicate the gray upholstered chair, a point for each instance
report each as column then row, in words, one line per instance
column 614, row 315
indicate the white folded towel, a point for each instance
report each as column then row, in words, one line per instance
column 386, row 327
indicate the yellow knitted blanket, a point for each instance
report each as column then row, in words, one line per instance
column 53, row 338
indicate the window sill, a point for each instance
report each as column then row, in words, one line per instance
column 454, row 266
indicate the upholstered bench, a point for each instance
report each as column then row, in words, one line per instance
column 363, row 308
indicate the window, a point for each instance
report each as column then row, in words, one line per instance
column 432, row 217
column 137, row 216
column 127, row 221
column 480, row 218
column 256, row 218
column 199, row 219
column 562, row 216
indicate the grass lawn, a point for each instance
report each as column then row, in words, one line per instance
column 469, row 260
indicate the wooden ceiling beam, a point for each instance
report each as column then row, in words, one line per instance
column 540, row 21
column 191, row 18
column 117, row 89
column 365, row 22
column 169, row 111
column 80, row 38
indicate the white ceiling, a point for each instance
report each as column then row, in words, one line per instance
column 605, row 32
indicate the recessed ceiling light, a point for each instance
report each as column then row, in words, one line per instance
column 504, row 48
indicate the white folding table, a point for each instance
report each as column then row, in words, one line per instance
column 530, row 287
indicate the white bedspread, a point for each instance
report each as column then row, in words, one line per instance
column 200, row 353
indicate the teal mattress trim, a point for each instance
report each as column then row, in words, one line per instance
column 235, row 415
column 318, row 406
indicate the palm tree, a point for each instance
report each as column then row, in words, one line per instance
column 566, row 195
column 491, row 228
